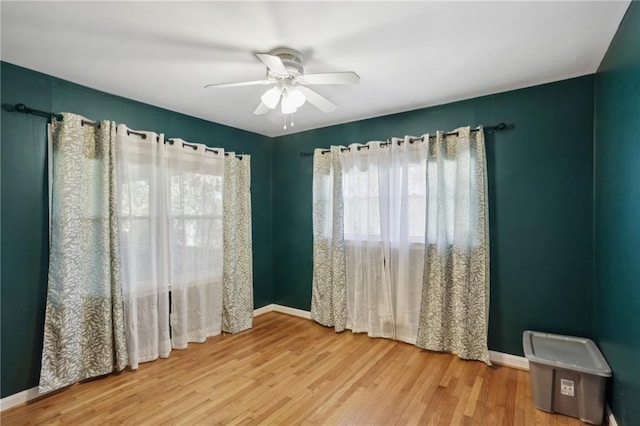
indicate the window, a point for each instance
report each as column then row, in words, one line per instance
column 421, row 200
column 390, row 202
column 195, row 220
column 170, row 215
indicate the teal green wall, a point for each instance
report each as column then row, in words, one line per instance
column 540, row 204
column 24, row 201
column 617, row 216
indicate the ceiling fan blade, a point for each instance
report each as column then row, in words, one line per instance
column 273, row 63
column 349, row 77
column 262, row 109
column 320, row 102
column 238, row 84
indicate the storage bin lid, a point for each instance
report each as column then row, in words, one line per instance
column 571, row 353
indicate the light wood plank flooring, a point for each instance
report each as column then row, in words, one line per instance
column 288, row 370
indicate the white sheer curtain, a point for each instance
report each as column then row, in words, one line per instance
column 369, row 292
column 170, row 217
column 407, row 198
column 144, row 241
column 194, row 192
column 384, row 198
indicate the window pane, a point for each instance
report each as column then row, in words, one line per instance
column 361, row 203
column 417, row 200
column 195, row 200
column 135, row 244
column 135, row 198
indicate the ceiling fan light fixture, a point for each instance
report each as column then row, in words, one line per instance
column 288, row 105
column 296, row 97
column 271, row 97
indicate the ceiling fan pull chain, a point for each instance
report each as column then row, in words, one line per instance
column 291, row 120
column 285, row 121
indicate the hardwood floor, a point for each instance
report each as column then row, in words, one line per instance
column 288, row 370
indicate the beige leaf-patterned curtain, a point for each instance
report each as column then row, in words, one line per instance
column 455, row 293
column 84, row 326
column 328, row 300
column 237, row 304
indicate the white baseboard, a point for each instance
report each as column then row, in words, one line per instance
column 292, row 311
column 19, row 398
column 508, row 360
column 283, row 310
column 609, row 415
column 263, row 310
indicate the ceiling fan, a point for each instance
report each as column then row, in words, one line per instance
column 286, row 72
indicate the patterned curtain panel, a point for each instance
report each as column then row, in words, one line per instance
column 237, row 305
column 84, row 334
column 328, row 300
column 455, row 294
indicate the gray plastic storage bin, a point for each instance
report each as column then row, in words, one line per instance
column 568, row 375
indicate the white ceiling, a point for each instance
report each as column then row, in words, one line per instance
column 409, row 55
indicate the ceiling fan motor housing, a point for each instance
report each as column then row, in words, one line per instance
column 291, row 59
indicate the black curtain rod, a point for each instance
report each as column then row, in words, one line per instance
column 215, row 151
column 26, row 110
column 489, row 129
